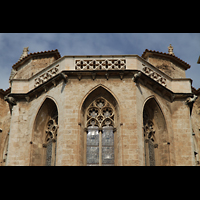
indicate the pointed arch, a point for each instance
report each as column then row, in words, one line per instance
column 43, row 101
column 102, row 89
column 100, row 92
column 44, row 134
column 155, row 133
column 153, row 97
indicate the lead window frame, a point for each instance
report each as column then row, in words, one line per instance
column 100, row 116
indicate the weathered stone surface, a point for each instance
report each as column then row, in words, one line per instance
column 134, row 97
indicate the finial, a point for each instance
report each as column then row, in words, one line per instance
column 170, row 50
column 25, row 53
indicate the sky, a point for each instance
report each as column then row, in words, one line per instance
column 186, row 47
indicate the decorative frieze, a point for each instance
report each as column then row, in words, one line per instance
column 46, row 76
column 155, row 76
column 111, row 64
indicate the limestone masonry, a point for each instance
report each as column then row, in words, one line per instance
column 111, row 110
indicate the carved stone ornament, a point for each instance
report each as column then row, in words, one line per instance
column 136, row 76
column 149, row 131
column 27, row 98
column 190, row 100
column 100, row 117
column 10, row 100
column 108, row 64
column 170, row 50
column 12, row 74
column 25, row 52
column 100, row 113
column 155, row 76
column 46, row 76
column 65, row 77
column 51, row 129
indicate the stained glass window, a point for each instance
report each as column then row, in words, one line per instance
column 93, row 145
column 151, row 153
column 100, row 134
column 49, row 153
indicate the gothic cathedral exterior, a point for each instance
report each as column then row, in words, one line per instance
column 112, row 110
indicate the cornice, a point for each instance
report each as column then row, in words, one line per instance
column 66, row 75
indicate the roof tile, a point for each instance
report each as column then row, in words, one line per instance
column 186, row 65
column 37, row 53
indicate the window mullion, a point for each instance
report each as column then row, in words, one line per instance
column 100, row 148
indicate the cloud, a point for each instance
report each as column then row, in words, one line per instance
column 186, row 46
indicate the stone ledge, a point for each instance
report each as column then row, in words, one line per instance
column 143, row 79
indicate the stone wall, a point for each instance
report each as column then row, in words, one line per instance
column 167, row 66
column 174, row 139
column 4, row 125
column 131, row 99
column 32, row 66
column 195, row 116
column 182, row 128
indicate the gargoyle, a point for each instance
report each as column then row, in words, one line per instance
column 10, row 100
column 190, row 100
column 136, row 76
column 65, row 77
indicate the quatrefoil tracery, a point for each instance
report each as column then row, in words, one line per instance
column 149, row 131
column 100, row 113
column 51, row 129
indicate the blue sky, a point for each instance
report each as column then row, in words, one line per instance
column 186, row 47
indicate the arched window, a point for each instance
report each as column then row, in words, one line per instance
column 51, row 140
column 100, row 123
column 156, row 142
column 44, row 138
column 149, row 135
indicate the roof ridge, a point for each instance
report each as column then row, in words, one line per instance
column 35, row 53
column 4, row 92
column 195, row 91
column 167, row 54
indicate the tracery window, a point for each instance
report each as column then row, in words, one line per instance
column 149, row 135
column 51, row 140
column 149, row 140
column 100, row 117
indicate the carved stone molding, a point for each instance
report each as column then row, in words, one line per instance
column 100, row 113
column 46, row 76
column 54, row 83
column 79, row 76
column 93, row 76
column 149, row 131
column 45, row 88
column 111, row 64
column 121, row 75
column 107, row 75
column 51, row 129
column 155, row 76
column 27, row 98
